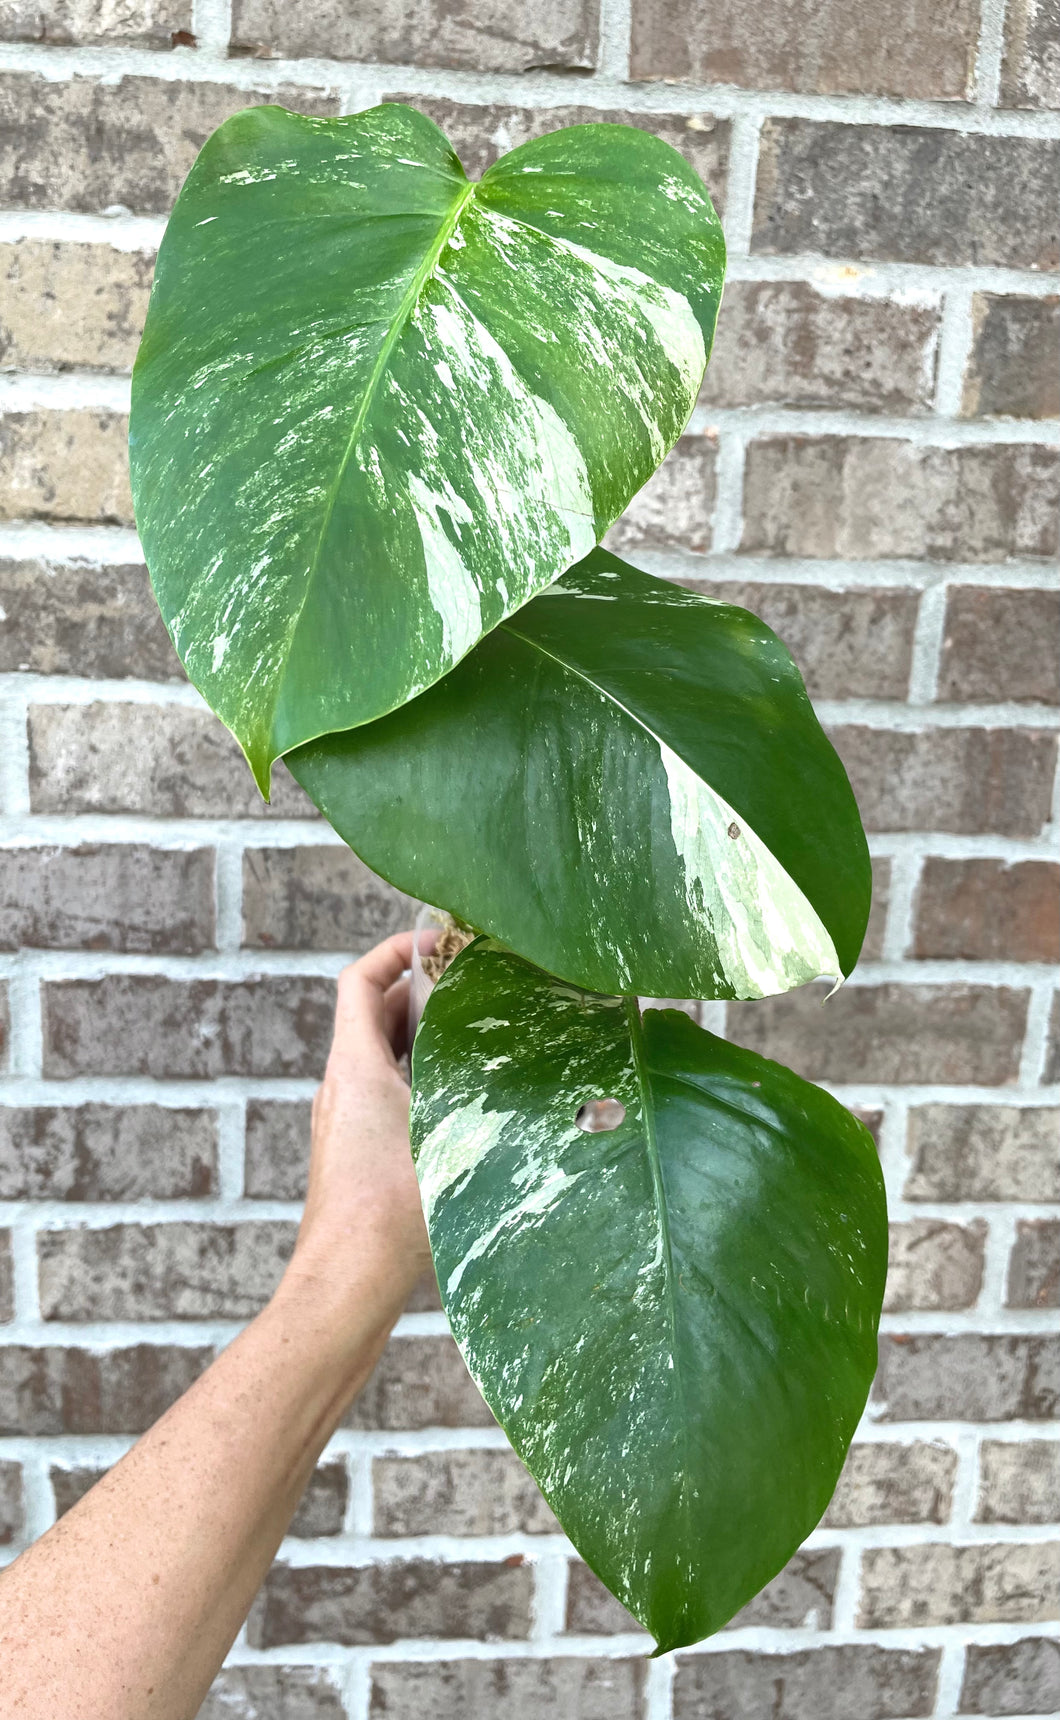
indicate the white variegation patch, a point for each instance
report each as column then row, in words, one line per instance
column 768, row 935
column 456, row 1145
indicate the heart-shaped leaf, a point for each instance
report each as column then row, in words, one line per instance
column 625, row 783
column 674, row 1322
column 377, row 405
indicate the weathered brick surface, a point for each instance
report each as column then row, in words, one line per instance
column 1001, row 645
column 176, row 1271
column 1019, row 1482
column 984, row 1152
column 458, row 1493
column 892, row 1032
column 277, row 1149
column 934, row 1264
column 12, row 1520
column 143, row 23
column 1052, row 1050
column 321, row 1510
column 785, row 343
column 989, row 910
column 1030, row 73
column 509, row 1690
column 70, row 306
column 907, row 194
column 318, row 899
column 396, row 1598
column 273, row 1693
column 86, row 144
column 1012, row 1677
column 1012, row 369
column 420, row 1382
column 144, row 1024
column 899, row 48
column 506, row 38
column 676, row 506
column 65, row 464
column 111, row 896
column 480, row 132
column 7, row 1285
column 939, row 1584
column 961, row 780
column 77, row 618
column 855, row 644
column 836, row 496
column 967, row 1377
column 106, row 1152
column 156, row 760
column 799, row 1598
column 884, row 1482
column 47, row 1390
column 1034, row 1267
column 830, row 1683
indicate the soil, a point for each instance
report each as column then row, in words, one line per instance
column 451, row 940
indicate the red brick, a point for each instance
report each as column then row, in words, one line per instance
column 75, row 618
column 419, row 1383
column 988, row 910
column 905, row 193
column 984, row 1152
column 7, row 1282
column 107, row 896
column 398, row 1598
column 1012, row 1677
column 58, row 1389
column 72, row 306
column 554, row 1689
column 836, row 496
column 273, row 1693
column 1014, row 366
column 855, row 644
column 106, row 1152
column 176, row 1271
column 967, row 1377
column 1030, row 75
column 1034, row 1266
column 884, row 1482
column 919, row 1033
column 65, row 465
column 1019, row 1481
column 938, row 1584
column 144, row 23
column 12, row 1516
column 158, row 761
column 896, row 48
column 457, row 1493
column 508, row 37
column 934, row 1265
column 144, row 1024
column 959, row 780
column 785, row 343
column 829, row 1683
column 676, row 506
column 1001, row 645
column 319, row 898
column 88, row 144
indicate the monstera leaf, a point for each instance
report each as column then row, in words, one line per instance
column 378, row 406
column 674, row 1322
column 625, row 783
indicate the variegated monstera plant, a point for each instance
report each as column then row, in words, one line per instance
column 382, row 417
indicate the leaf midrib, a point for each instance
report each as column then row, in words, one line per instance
column 393, row 335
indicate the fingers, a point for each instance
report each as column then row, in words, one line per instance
column 363, row 1022
column 396, row 1015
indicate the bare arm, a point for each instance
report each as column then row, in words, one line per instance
column 127, row 1607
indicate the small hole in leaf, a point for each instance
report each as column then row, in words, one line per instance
column 598, row 1115
column 734, row 831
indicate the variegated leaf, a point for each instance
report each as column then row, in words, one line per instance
column 675, row 1321
column 625, row 783
column 378, row 406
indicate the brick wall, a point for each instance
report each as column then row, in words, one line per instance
column 875, row 468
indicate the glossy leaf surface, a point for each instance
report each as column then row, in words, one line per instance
column 378, row 406
column 625, row 783
column 675, row 1321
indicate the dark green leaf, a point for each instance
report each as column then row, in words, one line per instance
column 378, row 406
column 674, row 1322
column 626, row 783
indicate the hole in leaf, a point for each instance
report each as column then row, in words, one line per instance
column 597, row 1116
column 734, row 831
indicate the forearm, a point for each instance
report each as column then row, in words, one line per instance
column 125, row 1610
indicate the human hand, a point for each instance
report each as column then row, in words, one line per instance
column 363, row 1221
